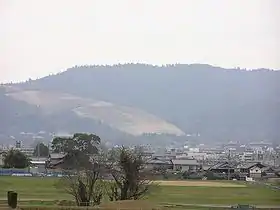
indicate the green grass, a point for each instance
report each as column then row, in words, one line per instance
column 44, row 189
column 32, row 188
column 255, row 195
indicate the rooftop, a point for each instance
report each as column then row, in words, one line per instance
column 185, row 162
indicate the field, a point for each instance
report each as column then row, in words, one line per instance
column 167, row 192
column 199, row 184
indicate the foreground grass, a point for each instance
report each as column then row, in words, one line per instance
column 211, row 195
column 32, row 188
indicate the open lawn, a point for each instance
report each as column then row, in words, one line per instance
column 167, row 192
column 198, row 183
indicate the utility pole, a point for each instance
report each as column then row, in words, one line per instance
column 38, row 150
column 48, row 149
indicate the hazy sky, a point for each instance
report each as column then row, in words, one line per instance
column 39, row 37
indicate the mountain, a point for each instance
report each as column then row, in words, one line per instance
column 218, row 104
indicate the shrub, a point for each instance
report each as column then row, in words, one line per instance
column 192, row 175
column 212, row 176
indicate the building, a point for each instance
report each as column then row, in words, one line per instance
column 194, row 155
column 54, row 163
column 38, row 165
column 158, row 164
column 223, row 168
column 183, row 165
column 55, row 160
column 1, row 158
column 253, row 170
column 247, row 156
column 269, row 172
column 28, row 151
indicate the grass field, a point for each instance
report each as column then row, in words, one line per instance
column 198, row 183
column 180, row 192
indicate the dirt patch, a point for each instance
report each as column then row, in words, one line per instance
column 198, row 184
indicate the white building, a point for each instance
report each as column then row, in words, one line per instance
column 28, row 151
column 247, row 156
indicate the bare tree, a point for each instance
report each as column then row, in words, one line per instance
column 84, row 185
column 130, row 178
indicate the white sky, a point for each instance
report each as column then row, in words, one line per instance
column 40, row 37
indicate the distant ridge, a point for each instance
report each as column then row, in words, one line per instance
column 219, row 104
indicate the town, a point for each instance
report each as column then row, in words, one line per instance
column 233, row 161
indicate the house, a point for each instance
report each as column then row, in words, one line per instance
column 223, row 168
column 277, row 172
column 157, row 164
column 54, row 160
column 253, row 170
column 59, row 161
column 269, row 172
column 183, row 165
column 173, row 164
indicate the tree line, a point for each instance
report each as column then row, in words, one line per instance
column 15, row 158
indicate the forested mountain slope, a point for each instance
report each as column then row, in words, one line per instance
column 219, row 104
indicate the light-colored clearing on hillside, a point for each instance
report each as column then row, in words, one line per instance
column 127, row 119
column 198, row 184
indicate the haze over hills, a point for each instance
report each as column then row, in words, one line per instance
column 134, row 99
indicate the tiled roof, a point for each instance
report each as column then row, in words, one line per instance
column 223, row 165
column 158, row 161
column 185, row 162
column 249, row 165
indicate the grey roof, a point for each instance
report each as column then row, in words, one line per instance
column 277, row 169
column 249, row 165
column 223, row 165
column 268, row 169
column 185, row 162
column 56, row 162
column 158, row 161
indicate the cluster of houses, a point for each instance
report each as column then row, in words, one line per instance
column 261, row 162
column 243, row 169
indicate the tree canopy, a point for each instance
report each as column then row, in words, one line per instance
column 41, row 150
column 131, row 181
column 86, row 143
column 78, row 149
column 16, row 159
column 81, row 161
